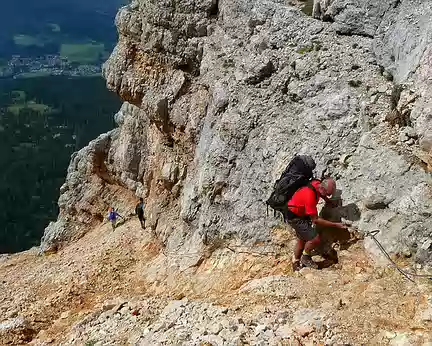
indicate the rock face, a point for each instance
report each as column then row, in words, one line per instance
column 219, row 95
column 15, row 330
column 105, row 173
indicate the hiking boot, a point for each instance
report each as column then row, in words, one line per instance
column 306, row 261
column 296, row 266
column 330, row 256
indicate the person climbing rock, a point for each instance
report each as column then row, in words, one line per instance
column 113, row 216
column 139, row 210
column 302, row 216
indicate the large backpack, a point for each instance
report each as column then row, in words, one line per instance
column 296, row 175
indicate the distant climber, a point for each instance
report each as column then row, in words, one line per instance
column 302, row 215
column 113, row 217
column 139, row 210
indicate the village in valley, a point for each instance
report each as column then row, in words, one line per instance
column 46, row 65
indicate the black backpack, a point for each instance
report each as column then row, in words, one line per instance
column 297, row 174
column 139, row 209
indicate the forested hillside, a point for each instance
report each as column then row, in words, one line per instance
column 42, row 122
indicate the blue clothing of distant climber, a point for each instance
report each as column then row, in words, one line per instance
column 113, row 216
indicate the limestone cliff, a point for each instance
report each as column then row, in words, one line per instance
column 219, row 95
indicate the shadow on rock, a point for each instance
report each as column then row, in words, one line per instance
column 327, row 263
column 332, row 236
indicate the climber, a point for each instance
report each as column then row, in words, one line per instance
column 139, row 210
column 113, row 216
column 303, row 216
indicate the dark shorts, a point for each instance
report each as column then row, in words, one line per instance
column 304, row 228
column 141, row 217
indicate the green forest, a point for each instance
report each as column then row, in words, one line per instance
column 42, row 122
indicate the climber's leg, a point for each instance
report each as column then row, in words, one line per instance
column 306, row 259
column 312, row 244
column 308, row 239
column 298, row 251
column 142, row 221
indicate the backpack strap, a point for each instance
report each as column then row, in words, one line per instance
column 309, row 185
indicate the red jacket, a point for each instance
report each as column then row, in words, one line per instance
column 304, row 201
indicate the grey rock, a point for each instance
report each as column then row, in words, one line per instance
column 387, row 75
column 403, row 137
column 12, row 324
column 220, row 96
column 394, row 26
column 410, row 132
column 260, row 329
column 376, row 201
column 268, row 335
column 112, row 158
column 237, row 341
column 355, row 17
column 382, row 88
column 284, row 331
column 215, row 328
column 427, row 315
column 309, row 317
column 229, row 91
column 406, row 23
column 170, row 173
column 426, row 245
column 16, row 331
column 401, row 339
column 304, row 330
column 426, row 143
column 320, row 8
column 215, row 340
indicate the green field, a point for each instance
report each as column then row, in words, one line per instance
column 35, row 74
column 20, row 103
column 27, row 41
column 39, row 108
column 85, row 53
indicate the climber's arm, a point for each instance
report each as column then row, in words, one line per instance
column 325, row 223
